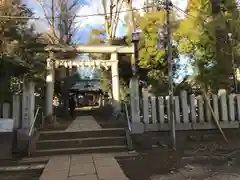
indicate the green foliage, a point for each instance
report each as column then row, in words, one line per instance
column 19, row 56
column 15, row 84
column 96, row 37
column 203, row 37
column 152, row 55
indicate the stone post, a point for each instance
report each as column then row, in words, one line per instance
column 6, row 110
column 16, row 111
column 49, row 88
column 137, row 126
column 145, row 106
column 32, row 101
column 115, row 82
column 28, row 105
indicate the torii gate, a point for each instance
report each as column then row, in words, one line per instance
column 53, row 63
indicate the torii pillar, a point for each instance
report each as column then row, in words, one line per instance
column 50, row 78
column 115, row 82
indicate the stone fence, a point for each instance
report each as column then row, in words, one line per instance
column 191, row 112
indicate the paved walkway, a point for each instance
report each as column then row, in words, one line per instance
column 83, row 167
column 84, row 123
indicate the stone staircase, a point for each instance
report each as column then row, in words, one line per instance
column 22, row 169
column 80, row 142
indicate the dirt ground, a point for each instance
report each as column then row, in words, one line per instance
column 205, row 159
column 201, row 160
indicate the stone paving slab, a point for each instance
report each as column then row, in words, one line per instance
column 86, row 177
column 83, row 167
column 75, row 159
column 58, row 163
column 109, row 173
column 54, row 175
column 106, row 162
column 84, row 123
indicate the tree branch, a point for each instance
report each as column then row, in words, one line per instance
column 50, row 22
column 106, row 20
column 116, row 19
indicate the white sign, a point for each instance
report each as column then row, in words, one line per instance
column 6, row 125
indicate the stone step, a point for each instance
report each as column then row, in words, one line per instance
column 22, row 168
column 21, row 172
column 85, row 150
column 56, row 135
column 21, row 175
column 82, row 142
column 23, row 161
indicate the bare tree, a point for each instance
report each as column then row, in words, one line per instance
column 111, row 9
column 130, row 13
column 61, row 19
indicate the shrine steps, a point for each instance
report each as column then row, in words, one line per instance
column 81, row 142
column 22, row 169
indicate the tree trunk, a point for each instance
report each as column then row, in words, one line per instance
column 214, row 115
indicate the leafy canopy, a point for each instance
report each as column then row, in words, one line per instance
column 21, row 50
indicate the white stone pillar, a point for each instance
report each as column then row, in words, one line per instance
column 145, row 106
column 184, row 106
column 222, row 94
column 6, row 110
column 49, row 88
column 137, row 126
column 25, row 107
column 32, row 101
column 28, row 105
column 115, row 82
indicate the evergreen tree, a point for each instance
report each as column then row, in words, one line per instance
column 21, row 50
column 203, row 37
column 152, row 54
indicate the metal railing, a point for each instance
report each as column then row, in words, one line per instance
column 34, row 121
column 128, row 117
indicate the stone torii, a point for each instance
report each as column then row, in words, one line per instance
column 53, row 63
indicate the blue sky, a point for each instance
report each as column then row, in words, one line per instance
column 87, row 7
